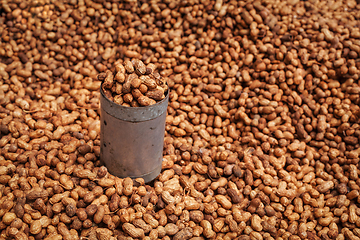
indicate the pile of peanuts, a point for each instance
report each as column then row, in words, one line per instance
column 262, row 129
column 133, row 84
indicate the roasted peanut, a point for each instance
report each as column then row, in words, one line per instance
column 262, row 122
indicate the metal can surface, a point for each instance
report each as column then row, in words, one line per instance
column 132, row 138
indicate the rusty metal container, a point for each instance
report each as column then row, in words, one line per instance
column 132, row 139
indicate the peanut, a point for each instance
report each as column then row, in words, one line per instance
column 262, row 122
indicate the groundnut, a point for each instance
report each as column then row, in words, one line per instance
column 185, row 233
column 324, row 187
column 261, row 133
column 145, row 101
column 106, row 182
column 132, row 230
column 127, row 186
column 208, row 232
column 141, row 224
column 132, row 85
column 149, row 219
column 100, row 212
column 8, row 218
column 171, row 229
column 256, row 223
column 225, row 203
column 64, row 231
column 35, row 227
column 66, row 182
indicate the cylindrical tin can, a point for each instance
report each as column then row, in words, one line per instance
column 132, row 138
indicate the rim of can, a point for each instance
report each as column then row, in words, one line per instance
column 134, row 114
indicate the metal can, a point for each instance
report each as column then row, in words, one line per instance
column 132, row 138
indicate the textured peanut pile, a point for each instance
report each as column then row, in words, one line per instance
column 133, row 84
column 262, row 132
